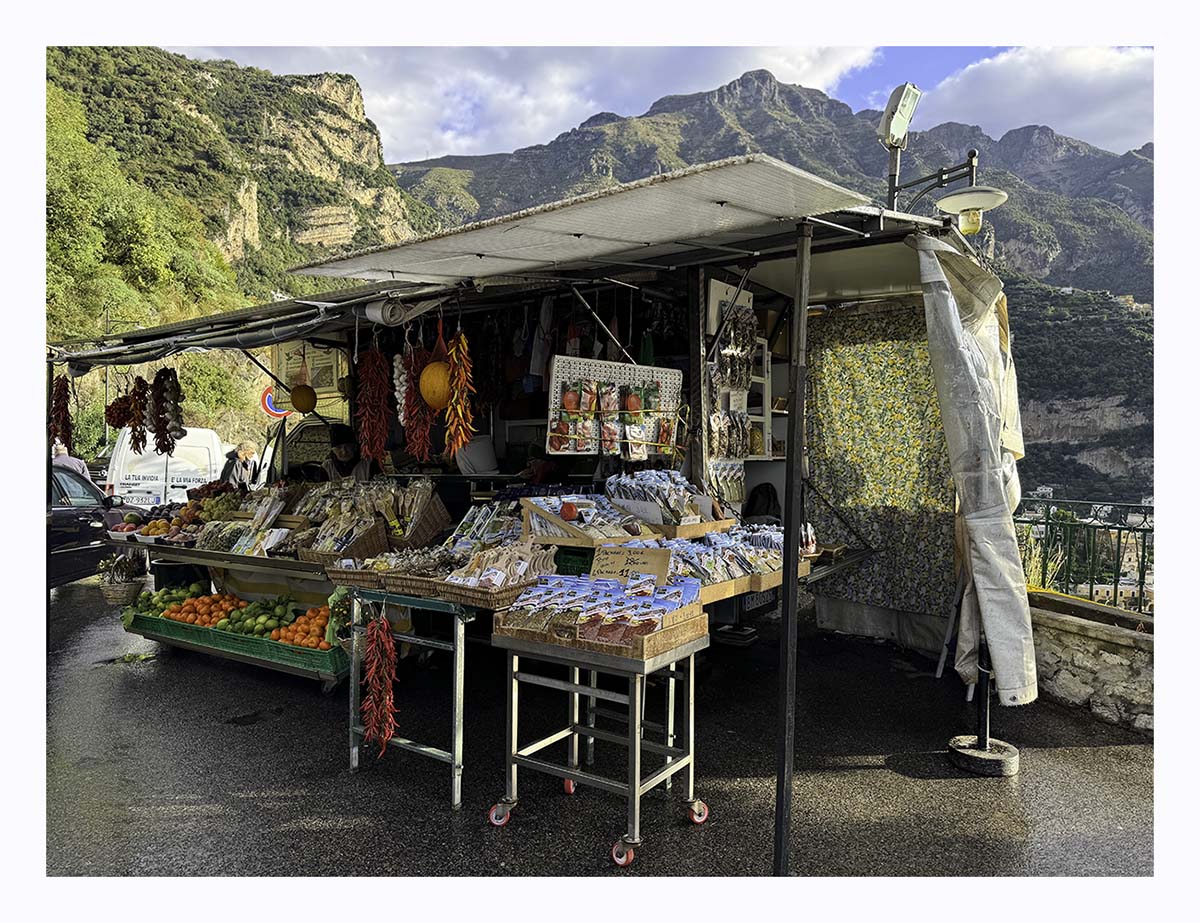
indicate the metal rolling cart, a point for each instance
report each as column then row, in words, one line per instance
column 677, row 664
column 460, row 616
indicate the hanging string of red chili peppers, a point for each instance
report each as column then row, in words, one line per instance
column 418, row 416
column 61, row 427
column 378, row 705
column 459, row 418
column 373, row 414
column 138, row 410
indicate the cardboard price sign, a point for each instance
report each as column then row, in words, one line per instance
column 620, row 561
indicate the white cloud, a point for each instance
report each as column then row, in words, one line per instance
column 476, row 100
column 1104, row 96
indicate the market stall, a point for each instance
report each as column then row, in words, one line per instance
column 510, row 345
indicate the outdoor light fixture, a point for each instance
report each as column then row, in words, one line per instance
column 970, row 204
column 893, row 127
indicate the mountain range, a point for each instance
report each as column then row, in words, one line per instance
column 283, row 170
column 1076, row 215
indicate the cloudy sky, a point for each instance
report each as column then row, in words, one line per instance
column 477, row 100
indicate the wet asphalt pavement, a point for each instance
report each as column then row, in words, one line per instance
column 190, row 765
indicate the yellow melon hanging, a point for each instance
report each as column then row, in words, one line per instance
column 435, row 385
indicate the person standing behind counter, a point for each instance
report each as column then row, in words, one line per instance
column 345, row 460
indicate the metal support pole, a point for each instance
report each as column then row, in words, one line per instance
column 456, row 746
column 697, row 321
column 355, row 691
column 793, row 516
column 893, row 177
column 983, row 729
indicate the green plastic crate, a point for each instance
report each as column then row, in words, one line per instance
column 573, row 561
column 330, row 663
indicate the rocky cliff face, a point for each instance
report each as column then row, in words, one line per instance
column 283, row 169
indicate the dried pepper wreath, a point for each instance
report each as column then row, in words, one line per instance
column 374, row 387
column 459, row 418
column 378, row 705
column 61, row 427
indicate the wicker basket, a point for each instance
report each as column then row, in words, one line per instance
column 481, row 597
column 435, row 519
column 410, row 585
column 368, row 545
column 121, row 594
column 347, row 576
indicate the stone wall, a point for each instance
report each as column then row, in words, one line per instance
column 1108, row 669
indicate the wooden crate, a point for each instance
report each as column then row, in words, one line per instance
column 761, row 582
column 691, row 623
column 726, row 589
column 281, row 521
column 576, row 537
column 694, row 529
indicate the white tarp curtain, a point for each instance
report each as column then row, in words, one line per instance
column 966, row 317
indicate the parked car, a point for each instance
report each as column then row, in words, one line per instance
column 150, row 479
column 77, row 517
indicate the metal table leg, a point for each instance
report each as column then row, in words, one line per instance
column 633, row 835
column 513, row 694
column 590, row 745
column 355, row 690
column 572, row 722
column 689, row 725
column 670, row 737
column 456, row 746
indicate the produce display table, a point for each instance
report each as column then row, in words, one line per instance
column 459, row 616
column 680, row 660
column 329, row 667
column 264, row 577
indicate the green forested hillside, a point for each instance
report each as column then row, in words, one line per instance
column 281, row 170
column 118, row 253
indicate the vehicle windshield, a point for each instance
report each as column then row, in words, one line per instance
column 77, row 490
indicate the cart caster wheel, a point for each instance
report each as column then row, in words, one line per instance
column 622, row 854
column 499, row 815
column 569, row 786
column 698, row 812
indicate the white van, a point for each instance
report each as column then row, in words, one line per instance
column 150, row 479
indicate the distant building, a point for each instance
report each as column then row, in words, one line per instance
column 1126, row 595
column 1044, row 492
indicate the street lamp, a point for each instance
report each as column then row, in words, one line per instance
column 969, row 204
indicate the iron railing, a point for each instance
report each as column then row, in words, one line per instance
column 1091, row 549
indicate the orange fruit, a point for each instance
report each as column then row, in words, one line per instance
column 324, row 646
column 275, row 635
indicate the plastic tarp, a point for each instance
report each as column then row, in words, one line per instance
column 966, row 318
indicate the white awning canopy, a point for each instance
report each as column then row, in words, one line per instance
column 642, row 223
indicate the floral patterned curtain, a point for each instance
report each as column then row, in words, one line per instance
column 878, row 453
